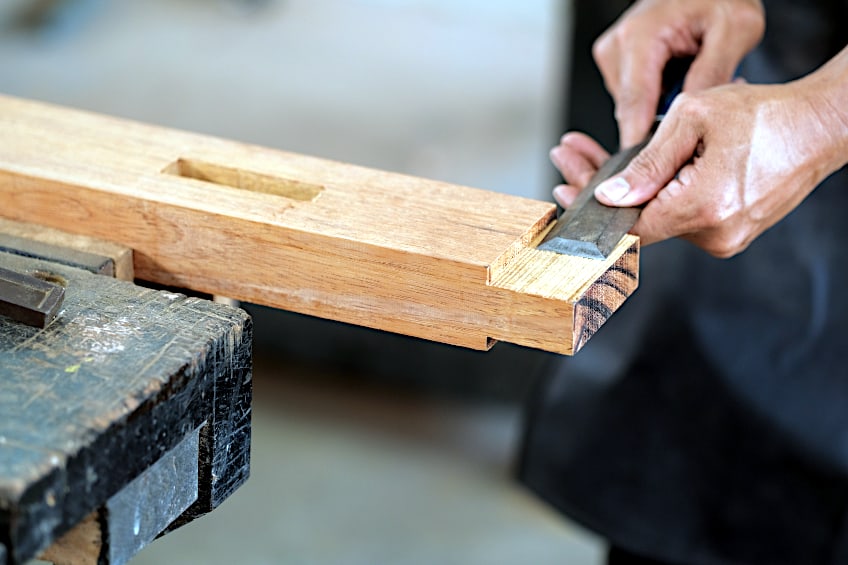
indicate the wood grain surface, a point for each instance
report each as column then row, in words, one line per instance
column 119, row 378
column 418, row 257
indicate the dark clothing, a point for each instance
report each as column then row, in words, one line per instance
column 707, row 422
column 618, row 556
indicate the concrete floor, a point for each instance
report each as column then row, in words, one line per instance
column 345, row 470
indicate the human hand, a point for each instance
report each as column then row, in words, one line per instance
column 632, row 54
column 726, row 163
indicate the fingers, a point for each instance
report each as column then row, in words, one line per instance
column 636, row 101
column 565, row 194
column 709, row 69
column 632, row 54
column 716, row 62
column 632, row 80
column 685, row 208
column 720, row 54
column 666, row 216
column 673, row 145
column 578, row 157
column 687, row 177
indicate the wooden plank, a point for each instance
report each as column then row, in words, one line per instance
column 122, row 376
column 423, row 258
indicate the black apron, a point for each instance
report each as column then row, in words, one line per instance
column 707, row 422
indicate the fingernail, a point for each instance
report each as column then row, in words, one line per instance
column 555, row 154
column 613, row 189
column 559, row 190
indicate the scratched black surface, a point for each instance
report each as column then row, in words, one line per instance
column 98, row 396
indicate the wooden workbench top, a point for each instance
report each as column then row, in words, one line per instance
column 118, row 379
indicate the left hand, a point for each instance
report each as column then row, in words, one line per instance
column 633, row 52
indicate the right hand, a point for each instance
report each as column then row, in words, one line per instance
column 726, row 163
column 634, row 51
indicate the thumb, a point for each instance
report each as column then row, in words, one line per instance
column 651, row 169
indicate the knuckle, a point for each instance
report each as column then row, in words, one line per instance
column 719, row 252
column 692, row 106
column 712, row 216
column 722, row 224
column 569, row 138
column 725, row 241
column 625, row 102
column 599, row 53
column 646, row 166
column 603, row 47
column 752, row 17
column 614, row 41
column 627, row 32
column 718, row 74
column 726, row 246
column 748, row 15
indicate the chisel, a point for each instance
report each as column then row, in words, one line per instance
column 591, row 229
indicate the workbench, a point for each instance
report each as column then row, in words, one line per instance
column 124, row 418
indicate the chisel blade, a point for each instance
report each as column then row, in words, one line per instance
column 591, row 229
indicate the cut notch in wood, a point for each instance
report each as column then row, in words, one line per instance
column 243, row 179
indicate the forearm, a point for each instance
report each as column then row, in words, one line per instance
column 826, row 89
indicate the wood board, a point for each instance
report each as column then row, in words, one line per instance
column 423, row 258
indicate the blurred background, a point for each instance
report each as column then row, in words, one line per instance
column 368, row 448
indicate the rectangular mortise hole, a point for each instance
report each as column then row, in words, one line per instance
column 244, row 180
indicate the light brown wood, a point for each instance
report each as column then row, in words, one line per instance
column 121, row 255
column 79, row 546
column 403, row 254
